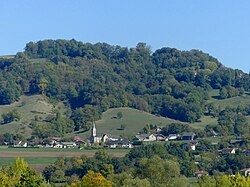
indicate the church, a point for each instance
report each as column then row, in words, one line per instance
column 94, row 138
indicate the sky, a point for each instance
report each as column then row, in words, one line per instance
column 218, row 27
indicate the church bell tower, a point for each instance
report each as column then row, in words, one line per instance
column 93, row 130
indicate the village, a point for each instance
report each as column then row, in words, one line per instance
column 189, row 141
column 108, row 140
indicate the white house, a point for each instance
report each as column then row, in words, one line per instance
column 145, row 137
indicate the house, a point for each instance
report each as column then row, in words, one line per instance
column 68, row 144
column 58, row 145
column 172, row 136
column 145, row 137
column 189, row 146
column 245, row 172
column 158, row 129
column 123, row 143
column 160, row 137
column 200, row 173
column 20, row 144
column 229, row 150
column 77, row 139
column 188, row 136
column 107, row 137
column 56, row 139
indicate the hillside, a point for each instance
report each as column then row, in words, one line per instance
column 92, row 78
column 29, row 107
column 134, row 121
column 233, row 102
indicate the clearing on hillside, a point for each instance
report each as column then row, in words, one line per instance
column 29, row 107
column 233, row 102
column 132, row 119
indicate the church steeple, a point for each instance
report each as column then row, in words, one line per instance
column 93, row 129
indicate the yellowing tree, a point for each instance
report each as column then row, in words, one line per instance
column 43, row 83
column 92, row 179
column 20, row 175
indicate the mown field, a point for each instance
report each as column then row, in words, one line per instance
column 39, row 158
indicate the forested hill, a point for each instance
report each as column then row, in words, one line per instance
column 94, row 77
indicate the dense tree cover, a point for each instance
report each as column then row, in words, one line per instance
column 176, row 128
column 9, row 139
column 146, row 172
column 151, row 165
column 224, row 180
column 231, row 121
column 56, row 126
column 95, row 77
column 152, row 171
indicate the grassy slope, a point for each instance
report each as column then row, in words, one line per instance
column 29, row 107
column 233, row 102
column 133, row 119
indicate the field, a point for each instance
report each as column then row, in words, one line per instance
column 39, row 158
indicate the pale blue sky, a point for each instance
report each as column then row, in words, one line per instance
column 218, row 27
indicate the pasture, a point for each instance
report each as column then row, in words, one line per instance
column 233, row 102
column 133, row 120
column 39, row 158
column 29, row 107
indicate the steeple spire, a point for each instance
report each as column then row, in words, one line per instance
column 93, row 129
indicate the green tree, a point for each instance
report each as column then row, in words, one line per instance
column 119, row 115
column 10, row 116
column 223, row 93
column 158, row 171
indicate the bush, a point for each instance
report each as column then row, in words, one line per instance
column 10, row 116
